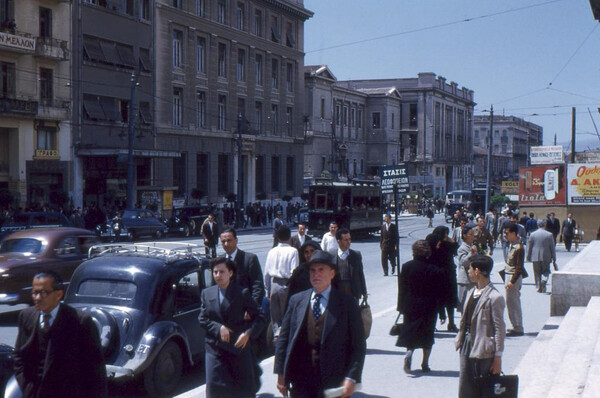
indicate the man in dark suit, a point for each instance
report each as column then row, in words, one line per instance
column 301, row 237
column 211, row 234
column 350, row 277
column 568, row 231
column 57, row 353
column 388, row 244
column 553, row 225
column 322, row 343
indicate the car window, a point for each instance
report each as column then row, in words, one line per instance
column 38, row 219
column 53, row 219
column 107, row 288
column 25, row 245
column 187, row 292
column 129, row 214
column 67, row 247
column 85, row 242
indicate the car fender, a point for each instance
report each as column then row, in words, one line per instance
column 155, row 337
column 12, row 389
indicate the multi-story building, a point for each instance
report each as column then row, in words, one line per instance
column 229, row 73
column 424, row 122
column 35, row 130
column 511, row 141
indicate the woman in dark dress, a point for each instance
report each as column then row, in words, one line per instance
column 443, row 250
column 300, row 279
column 419, row 303
column 232, row 320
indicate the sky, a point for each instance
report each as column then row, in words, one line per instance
column 534, row 59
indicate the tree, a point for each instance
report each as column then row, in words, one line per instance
column 497, row 201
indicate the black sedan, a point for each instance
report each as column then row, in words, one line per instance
column 133, row 224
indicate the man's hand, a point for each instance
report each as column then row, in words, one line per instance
column 509, row 285
column 242, row 340
column 496, row 367
column 281, row 386
column 225, row 332
column 348, row 387
column 474, row 249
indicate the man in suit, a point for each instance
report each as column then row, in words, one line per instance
column 301, row 237
column 388, row 243
column 277, row 223
column 541, row 250
column 322, row 342
column 57, row 352
column 210, row 234
column 513, row 279
column 553, row 225
column 568, row 231
column 350, row 277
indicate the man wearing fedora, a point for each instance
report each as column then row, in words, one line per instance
column 321, row 344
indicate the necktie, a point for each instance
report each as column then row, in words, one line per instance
column 45, row 323
column 316, row 309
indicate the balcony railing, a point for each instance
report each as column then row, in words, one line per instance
column 56, row 109
column 52, row 48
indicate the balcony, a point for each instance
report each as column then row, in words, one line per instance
column 18, row 107
column 49, row 47
column 15, row 41
column 53, row 109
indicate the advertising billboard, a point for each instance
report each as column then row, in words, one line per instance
column 583, row 184
column 542, row 186
column 546, row 155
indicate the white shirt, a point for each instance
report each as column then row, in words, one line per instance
column 281, row 261
column 53, row 314
column 329, row 244
column 342, row 255
column 301, row 238
column 324, row 299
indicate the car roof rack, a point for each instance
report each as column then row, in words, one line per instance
column 167, row 251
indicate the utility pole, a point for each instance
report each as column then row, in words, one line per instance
column 130, row 136
column 573, row 125
column 489, row 160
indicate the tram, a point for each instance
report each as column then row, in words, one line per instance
column 355, row 205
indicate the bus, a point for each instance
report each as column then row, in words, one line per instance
column 355, row 205
column 473, row 200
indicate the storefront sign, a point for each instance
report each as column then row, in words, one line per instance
column 583, row 181
column 542, row 186
column 20, row 42
column 394, row 175
column 46, row 154
column 547, row 155
column 509, row 188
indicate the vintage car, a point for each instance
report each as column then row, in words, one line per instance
column 37, row 219
column 25, row 253
column 6, row 364
column 145, row 300
column 188, row 220
column 133, row 224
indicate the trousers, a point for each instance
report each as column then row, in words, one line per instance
column 513, row 303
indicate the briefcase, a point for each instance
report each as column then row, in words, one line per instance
column 367, row 317
column 498, row 386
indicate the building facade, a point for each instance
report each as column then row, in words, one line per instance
column 229, row 80
column 423, row 122
column 35, row 129
column 511, row 142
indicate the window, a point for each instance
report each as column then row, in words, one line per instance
column 221, row 11
column 92, row 109
column 123, row 109
column 177, row 48
column 223, row 174
column 289, row 79
column 345, row 116
column 92, row 50
column 109, row 106
column 145, row 63
column 275, row 29
column 289, row 173
column 111, row 55
column 352, row 117
column 322, row 112
column 222, row 60
column 275, row 173
column 187, row 293
column 177, row 107
column 145, row 114
column 7, row 79
column 274, row 74
column 259, row 175
column 289, row 119
column 289, row 35
column 201, row 109
column 258, row 116
column 241, row 111
column 338, row 115
column 376, row 120
column 393, row 121
column 274, row 112
column 258, row 22
column 412, row 117
column 177, row 3
column 46, row 86
column 258, row 69
column 126, row 54
column 222, row 112
column 241, row 65
column 200, row 55
column 7, row 10
column 145, row 9
column 240, row 15
column 46, row 138
column 360, row 118
column 202, row 172
column 179, row 174
column 200, row 8
column 45, row 22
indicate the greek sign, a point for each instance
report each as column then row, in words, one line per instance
column 547, row 155
column 20, row 42
column 394, row 175
column 583, row 184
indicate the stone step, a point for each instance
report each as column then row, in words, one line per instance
column 592, row 386
column 573, row 371
column 539, row 346
column 539, row 366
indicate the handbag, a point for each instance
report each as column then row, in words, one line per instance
column 498, row 386
column 367, row 317
column 397, row 327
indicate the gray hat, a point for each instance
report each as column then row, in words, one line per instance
column 321, row 257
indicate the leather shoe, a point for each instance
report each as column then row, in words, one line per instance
column 425, row 368
column 513, row 333
column 452, row 328
column 407, row 363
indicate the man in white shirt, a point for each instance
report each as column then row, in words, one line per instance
column 281, row 262
column 329, row 242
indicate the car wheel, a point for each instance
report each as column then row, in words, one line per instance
column 158, row 234
column 162, row 376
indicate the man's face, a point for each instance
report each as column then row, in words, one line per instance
column 480, row 222
column 229, row 242
column 510, row 236
column 472, row 274
column 569, row 215
column 210, row 218
column 301, row 229
column 333, row 228
column 469, row 236
column 388, row 219
column 321, row 276
column 344, row 242
column 45, row 298
column 463, row 223
column 552, row 216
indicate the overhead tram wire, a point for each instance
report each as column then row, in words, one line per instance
column 432, row 27
column 573, row 55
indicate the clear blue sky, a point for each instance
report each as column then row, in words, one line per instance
column 508, row 52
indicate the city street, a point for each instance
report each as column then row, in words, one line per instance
column 383, row 375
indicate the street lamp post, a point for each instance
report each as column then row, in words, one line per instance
column 131, row 134
column 489, row 158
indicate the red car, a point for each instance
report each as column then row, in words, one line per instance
column 25, row 253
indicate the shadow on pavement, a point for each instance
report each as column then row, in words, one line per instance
column 436, row 373
column 365, row 395
column 375, row 351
